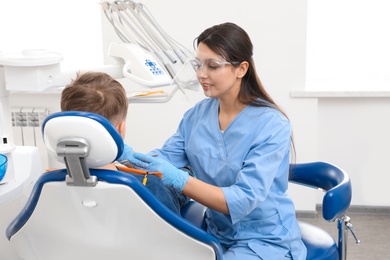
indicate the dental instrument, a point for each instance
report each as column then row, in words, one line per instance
column 147, row 93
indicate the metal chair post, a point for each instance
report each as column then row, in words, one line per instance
column 344, row 225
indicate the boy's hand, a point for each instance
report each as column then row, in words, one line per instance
column 171, row 176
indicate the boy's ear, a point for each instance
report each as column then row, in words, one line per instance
column 122, row 129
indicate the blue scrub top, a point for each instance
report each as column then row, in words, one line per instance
column 250, row 162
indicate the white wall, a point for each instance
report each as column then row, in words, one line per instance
column 348, row 132
column 354, row 133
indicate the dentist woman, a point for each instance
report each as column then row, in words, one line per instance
column 238, row 143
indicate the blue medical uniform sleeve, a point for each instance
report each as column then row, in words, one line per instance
column 265, row 162
column 173, row 149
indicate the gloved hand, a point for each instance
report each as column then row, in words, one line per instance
column 171, row 176
column 127, row 153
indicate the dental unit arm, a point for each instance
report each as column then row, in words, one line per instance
column 150, row 57
column 140, row 66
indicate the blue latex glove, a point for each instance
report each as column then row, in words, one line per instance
column 127, row 153
column 171, row 176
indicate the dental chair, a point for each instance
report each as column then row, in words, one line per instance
column 338, row 192
column 81, row 212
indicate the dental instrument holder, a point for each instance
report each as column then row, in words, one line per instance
column 74, row 151
column 139, row 65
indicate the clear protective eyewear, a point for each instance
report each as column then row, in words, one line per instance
column 209, row 65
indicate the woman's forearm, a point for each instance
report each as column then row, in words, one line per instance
column 206, row 194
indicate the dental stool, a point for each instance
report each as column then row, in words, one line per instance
column 81, row 212
column 338, row 192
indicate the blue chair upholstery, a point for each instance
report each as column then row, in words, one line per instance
column 337, row 198
column 319, row 243
column 82, row 212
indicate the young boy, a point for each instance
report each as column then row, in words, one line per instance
column 99, row 93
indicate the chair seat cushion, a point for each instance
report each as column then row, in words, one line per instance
column 319, row 243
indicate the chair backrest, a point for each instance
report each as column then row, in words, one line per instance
column 86, row 213
column 331, row 179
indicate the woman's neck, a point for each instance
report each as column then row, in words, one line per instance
column 228, row 112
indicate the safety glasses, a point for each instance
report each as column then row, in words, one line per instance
column 209, row 65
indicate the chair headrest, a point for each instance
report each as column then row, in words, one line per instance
column 104, row 141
